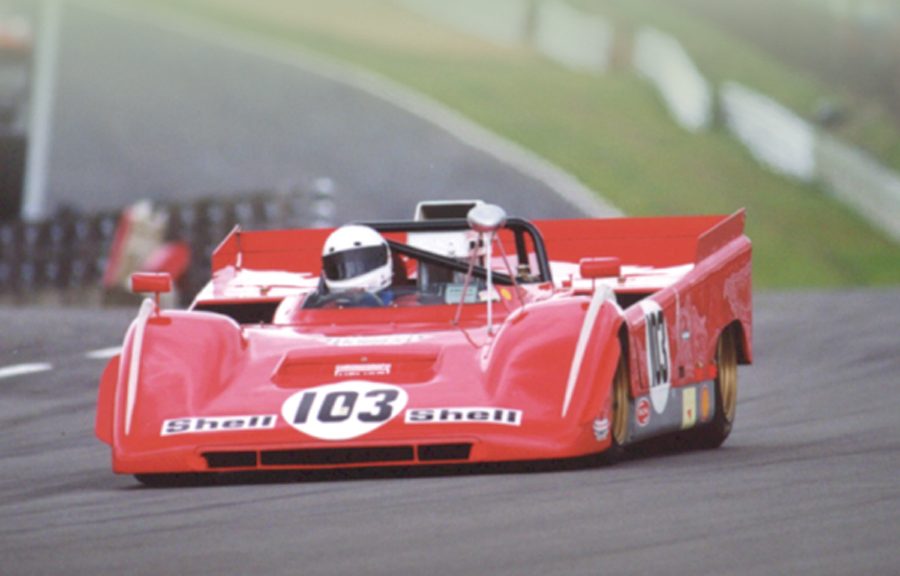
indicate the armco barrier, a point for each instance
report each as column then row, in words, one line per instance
column 661, row 60
column 859, row 181
column 63, row 260
column 774, row 135
column 573, row 38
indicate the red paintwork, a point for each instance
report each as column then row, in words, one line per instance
column 204, row 365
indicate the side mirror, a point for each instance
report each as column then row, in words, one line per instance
column 595, row 268
column 155, row 282
column 486, row 218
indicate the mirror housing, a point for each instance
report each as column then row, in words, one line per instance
column 486, row 218
column 594, row 268
column 155, row 282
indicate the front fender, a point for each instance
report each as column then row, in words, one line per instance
column 559, row 355
column 180, row 359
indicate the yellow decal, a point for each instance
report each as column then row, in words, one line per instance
column 704, row 404
column 688, row 408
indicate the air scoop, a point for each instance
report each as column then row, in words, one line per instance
column 302, row 368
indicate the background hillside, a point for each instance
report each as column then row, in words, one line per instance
column 610, row 130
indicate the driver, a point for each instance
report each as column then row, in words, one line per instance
column 356, row 269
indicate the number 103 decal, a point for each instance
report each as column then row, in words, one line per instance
column 659, row 363
column 344, row 410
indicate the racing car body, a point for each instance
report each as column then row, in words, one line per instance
column 571, row 338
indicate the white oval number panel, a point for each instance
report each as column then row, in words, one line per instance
column 344, row 410
column 659, row 363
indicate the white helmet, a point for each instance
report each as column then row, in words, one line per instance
column 356, row 258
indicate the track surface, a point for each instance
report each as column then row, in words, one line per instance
column 807, row 483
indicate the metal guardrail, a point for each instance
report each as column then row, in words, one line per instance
column 62, row 260
column 661, row 59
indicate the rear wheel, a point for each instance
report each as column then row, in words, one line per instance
column 713, row 434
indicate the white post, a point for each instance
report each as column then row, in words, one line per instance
column 41, row 112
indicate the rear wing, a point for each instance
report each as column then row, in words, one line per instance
column 284, row 250
column 658, row 242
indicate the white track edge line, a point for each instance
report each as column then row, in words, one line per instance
column 103, row 353
column 22, row 369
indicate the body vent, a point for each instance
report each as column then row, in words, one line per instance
column 444, row 452
column 375, row 455
column 221, row 460
column 337, row 456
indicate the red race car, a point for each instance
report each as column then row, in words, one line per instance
column 462, row 336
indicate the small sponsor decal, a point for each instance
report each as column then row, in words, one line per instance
column 688, row 408
column 198, row 425
column 642, row 411
column 469, row 415
column 344, row 410
column 601, row 429
column 349, row 370
column 382, row 340
column 704, row 403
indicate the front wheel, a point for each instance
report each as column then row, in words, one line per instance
column 619, row 414
column 713, row 434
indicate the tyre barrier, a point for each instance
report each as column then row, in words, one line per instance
column 63, row 260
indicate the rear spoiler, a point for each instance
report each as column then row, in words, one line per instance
column 720, row 235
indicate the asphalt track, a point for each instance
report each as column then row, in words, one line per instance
column 807, row 483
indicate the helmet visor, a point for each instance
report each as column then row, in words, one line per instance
column 352, row 263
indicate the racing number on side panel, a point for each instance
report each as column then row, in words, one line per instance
column 658, row 348
column 339, row 406
column 345, row 409
column 659, row 363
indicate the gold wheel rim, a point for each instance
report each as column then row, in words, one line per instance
column 620, row 403
column 727, row 359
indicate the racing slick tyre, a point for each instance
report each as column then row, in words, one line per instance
column 619, row 414
column 713, row 434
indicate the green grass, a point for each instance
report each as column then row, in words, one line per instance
column 611, row 132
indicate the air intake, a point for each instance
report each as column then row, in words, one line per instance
column 443, row 452
column 221, row 460
column 337, row 456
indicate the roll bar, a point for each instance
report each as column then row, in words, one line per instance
column 518, row 226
